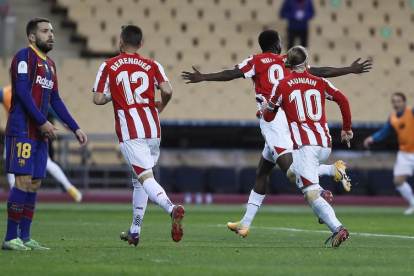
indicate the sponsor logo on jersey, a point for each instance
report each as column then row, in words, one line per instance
column 39, row 64
column 22, row 67
column 44, row 82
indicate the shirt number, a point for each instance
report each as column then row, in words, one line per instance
column 275, row 73
column 23, row 150
column 313, row 104
column 126, row 81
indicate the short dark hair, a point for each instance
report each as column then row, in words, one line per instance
column 131, row 35
column 31, row 27
column 268, row 39
column 400, row 94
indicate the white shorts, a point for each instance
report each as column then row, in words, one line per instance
column 305, row 166
column 404, row 164
column 277, row 137
column 141, row 154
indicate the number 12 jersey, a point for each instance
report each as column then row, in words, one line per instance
column 131, row 80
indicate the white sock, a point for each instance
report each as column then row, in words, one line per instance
column 324, row 211
column 253, row 205
column 326, row 170
column 58, row 174
column 157, row 194
column 406, row 192
column 139, row 204
column 11, row 179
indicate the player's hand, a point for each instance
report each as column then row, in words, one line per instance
column 346, row 136
column 159, row 106
column 363, row 67
column 192, row 77
column 368, row 141
column 263, row 106
column 82, row 138
column 48, row 130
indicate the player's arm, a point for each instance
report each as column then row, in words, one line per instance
column 62, row 112
column 331, row 72
column 270, row 109
column 101, row 87
column 333, row 94
column 378, row 136
column 224, row 75
column 166, row 95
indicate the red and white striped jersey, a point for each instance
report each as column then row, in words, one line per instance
column 302, row 97
column 265, row 70
column 131, row 80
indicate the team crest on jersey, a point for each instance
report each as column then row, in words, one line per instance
column 22, row 162
column 47, row 68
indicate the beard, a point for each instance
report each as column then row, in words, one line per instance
column 43, row 46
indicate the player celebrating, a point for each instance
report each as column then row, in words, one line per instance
column 131, row 80
column 34, row 86
column 266, row 70
column 302, row 96
column 402, row 121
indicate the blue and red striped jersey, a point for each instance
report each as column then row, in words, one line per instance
column 33, row 72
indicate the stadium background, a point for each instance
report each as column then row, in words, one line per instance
column 211, row 138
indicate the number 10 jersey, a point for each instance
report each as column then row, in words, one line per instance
column 131, row 80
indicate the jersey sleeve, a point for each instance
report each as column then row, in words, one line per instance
column 102, row 80
column 333, row 94
column 55, row 79
column 247, row 67
column 159, row 75
column 20, row 69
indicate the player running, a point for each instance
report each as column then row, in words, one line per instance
column 51, row 167
column 34, row 86
column 131, row 80
column 265, row 70
column 402, row 121
column 302, row 96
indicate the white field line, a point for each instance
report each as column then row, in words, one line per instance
column 329, row 232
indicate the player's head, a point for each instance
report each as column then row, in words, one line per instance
column 269, row 40
column 40, row 33
column 131, row 38
column 398, row 101
column 297, row 59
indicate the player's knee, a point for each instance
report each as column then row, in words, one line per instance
column 399, row 180
column 145, row 176
column 291, row 176
column 311, row 196
column 23, row 182
column 35, row 185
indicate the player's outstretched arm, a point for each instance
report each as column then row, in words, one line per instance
column 166, row 95
column 225, row 75
column 331, row 72
column 378, row 136
column 100, row 98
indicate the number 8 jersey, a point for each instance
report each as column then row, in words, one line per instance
column 302, row 97
column 265, row 70
column 131, row 80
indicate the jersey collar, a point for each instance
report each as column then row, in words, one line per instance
column 42, row 56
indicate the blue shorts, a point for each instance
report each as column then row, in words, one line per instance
column 26, row 156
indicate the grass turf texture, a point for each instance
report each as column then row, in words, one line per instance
column 84, row 240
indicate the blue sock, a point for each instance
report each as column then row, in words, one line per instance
column 27, row 216
column 15, row 204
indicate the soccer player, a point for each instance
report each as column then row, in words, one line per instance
column 131, row 79
column 51, row 167
column 34, row 88
column 302, row 96
column 402, row 121
column 266, row 70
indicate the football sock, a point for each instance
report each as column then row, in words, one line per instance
column 11, row 179
column 58, row 174
column 324, row 211
column 15, row 204
column 253, row 205
column 139, row 204
column 27, row 216
column 406, row 192
column 157, row 194
column 326, row 170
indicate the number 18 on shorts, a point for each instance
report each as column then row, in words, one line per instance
column 26, row 156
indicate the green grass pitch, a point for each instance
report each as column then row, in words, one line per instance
column 84, row 240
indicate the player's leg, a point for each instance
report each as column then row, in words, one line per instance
column 139, row 205
column 10, row 177
column 40, row 159
column 21, row 164
column 402, row 169
column 60, row 176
